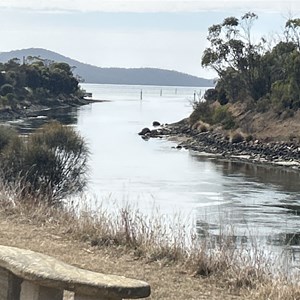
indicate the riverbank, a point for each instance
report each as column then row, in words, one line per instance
column 220, row 144
column 167, row 281
column 98, row 242
column 32, row 109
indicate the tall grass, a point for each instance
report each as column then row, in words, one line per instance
column 153, row 238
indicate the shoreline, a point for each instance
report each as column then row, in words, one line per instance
column 215, row 144
column 9, row 114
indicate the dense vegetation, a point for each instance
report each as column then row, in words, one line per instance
column 263, row 75
column 36, row 81
column 49, row 165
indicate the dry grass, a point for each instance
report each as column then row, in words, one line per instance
column 177, row 264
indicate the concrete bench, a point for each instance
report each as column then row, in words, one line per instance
column 28, row 275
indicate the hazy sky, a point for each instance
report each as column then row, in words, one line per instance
column 157, row 33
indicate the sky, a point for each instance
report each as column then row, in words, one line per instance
column 142, row 33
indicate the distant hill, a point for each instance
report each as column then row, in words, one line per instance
column 93, row 74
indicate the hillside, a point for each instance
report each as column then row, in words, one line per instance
column 94, row 74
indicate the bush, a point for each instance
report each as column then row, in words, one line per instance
column 222, row 116
column 237, row 138
column 211, row 95
column 202, row 111
column 7, row 134
column 6, row 89
column 212, row 114
column 263, row 105
column 52, row 162
column 249, row 138
column 203, row 128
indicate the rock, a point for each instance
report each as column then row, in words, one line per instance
column 155, row 123
column 259, row 151
column 154, row 133
column 144, row 131
column 145, row 137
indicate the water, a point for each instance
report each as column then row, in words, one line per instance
column 257, row 201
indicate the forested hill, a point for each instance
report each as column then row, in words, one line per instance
column 93, row 74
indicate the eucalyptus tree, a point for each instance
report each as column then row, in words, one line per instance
column 233, row 54
column 292, row 31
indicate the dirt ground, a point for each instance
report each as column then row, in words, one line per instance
column 269, row 125
column 167, row 282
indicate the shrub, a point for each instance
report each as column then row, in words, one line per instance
column 288, row 113
column 211, row 95
column 212, row 114
column 203, row 128
column 52, row 162
column 7, row 134
column 202, row 111
column 237, row 138
column 10, row 97
column 249, row 138
column 222, row 116
column 263, row 105
column 6, row 89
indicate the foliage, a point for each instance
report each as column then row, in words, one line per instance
column 36, row 80
column 51, row 162
column 6, row 136
column 249, row 138
column 248, row 71
column 210, row 95
column 6, row 89
column 237, row 138
column 221, row 115
column 212, row 114
column 203, row 128
column 202, row 111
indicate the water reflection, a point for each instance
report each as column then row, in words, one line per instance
column 283, row 178
column 251, row 200
column 64, row 115
column 257, row 203
column 287, row 239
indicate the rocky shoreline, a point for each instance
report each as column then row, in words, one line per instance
column 215, row 143
column 8, row 114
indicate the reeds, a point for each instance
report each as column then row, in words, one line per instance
column 153, row 237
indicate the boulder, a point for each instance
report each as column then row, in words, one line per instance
column 144, row 131
column 155, row 123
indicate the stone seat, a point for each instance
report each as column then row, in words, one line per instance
column 28, row 275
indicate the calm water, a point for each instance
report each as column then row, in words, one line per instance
column 256, row 200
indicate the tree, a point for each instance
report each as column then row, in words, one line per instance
column 36, row 80
column 267, row 78
column 232, row 50
column 292, row 31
